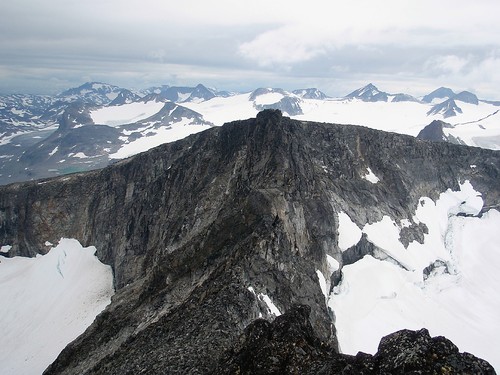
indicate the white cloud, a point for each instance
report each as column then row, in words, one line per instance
column 325, row 42
column 445, row 65
column 285, row 45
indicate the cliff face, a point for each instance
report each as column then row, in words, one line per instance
column 199, row 231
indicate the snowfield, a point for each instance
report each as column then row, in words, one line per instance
column 155, row 137
column 47, row 302
column 478, row 125
column 457, row 299
column 126, row 113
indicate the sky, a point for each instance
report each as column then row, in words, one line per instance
column 336, row 46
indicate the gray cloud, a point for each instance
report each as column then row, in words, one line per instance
column 336, row 46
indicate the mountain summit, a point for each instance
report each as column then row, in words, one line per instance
column 369, row 93
column 209, row 233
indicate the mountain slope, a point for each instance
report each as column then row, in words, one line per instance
column 25, row 121
column 440, row 93
column 369, row 93
column 206, row 234
column 96, row 93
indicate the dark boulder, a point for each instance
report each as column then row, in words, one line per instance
column 289, row 346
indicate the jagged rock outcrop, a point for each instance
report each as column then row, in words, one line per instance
column 310, row 93
column 435, row 132
column 199, row 230
column 288, row 105
column 403, row 98
column 448, row 108
column 289, row 345
column 440, row 93
column 124, row 97
column 369, row 93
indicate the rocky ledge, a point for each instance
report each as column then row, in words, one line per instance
column 288, row 345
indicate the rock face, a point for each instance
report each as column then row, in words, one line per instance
column 204, row 232
column 289, row 346
column 434, row 132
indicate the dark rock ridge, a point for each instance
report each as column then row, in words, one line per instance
column 434, row 132
column 94, row 93
column 440, row 93
column 265, row 90
column 310, row 93
column 200, row 92
column 199, row 230
column 404, row 98
column 124, row 97
column 181, row 94
column 77, row 135
column 289, row 345
column 369, row 93
column 467, row 97
column 448, row 108
column 288, row 105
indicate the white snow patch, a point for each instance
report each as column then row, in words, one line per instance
column 270, row 305
column 385, row 235
column 332, row 263
column 126, row 113
column 349, row 232
column 405, row 223
column 157, row 137
column 457, row 301
column 5, row 248
column 370, row 176
column 269, row 98
column 80, row 155
column 53, row 151
column 322, row 283
column 220, row 110
column 183, row 96
column 47, row 302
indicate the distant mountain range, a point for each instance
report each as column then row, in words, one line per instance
column 92, row 125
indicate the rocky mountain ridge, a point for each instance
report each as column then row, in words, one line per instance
column 29, row 124
column 288, row 345
column 204, row 232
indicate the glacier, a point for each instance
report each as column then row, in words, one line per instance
column 455, row 299
column 47, row 302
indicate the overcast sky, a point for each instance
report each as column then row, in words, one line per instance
column 337, row 46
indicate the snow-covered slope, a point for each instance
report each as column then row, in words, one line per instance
column 145, row 125
column 447, row 284
column 96, row 93
column 476, row 124
column 126, row 113
column 137, row 124
column 46, row 302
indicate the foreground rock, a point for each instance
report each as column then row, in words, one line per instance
column 209, row 233
column 289, row 345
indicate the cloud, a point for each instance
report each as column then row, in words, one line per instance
column 287, row 45
column 446, row 65
column 327, row 43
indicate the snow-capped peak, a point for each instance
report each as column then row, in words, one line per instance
column 440, row 93
column 368, row 93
